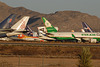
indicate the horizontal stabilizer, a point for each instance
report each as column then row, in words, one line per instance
column 73, row 35
column 6, row 30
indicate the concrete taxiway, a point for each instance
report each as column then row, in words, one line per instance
column 48, row 43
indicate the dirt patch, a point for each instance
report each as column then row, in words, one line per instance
column 47, row 51
column 45, row 62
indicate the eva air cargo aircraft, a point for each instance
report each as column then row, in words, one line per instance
column 73, row 36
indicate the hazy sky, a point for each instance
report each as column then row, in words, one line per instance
column 50, row 6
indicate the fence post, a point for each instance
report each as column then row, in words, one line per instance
column 19, row 61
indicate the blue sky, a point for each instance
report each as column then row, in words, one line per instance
column 91, row 7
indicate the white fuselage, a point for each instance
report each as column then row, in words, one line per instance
column 76, row 34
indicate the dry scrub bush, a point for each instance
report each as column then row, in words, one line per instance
column 85, row 58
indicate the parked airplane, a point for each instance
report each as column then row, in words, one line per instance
column 52, row 32
column 80, row 36
column 86, row 27
column 17, row 28
column 32, row 36
column 29, row 36
column 42, row 33
column 5, row 24
column 30, row 32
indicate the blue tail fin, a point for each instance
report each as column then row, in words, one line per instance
column 30, row 32
column 6, row 23
column 86, row 27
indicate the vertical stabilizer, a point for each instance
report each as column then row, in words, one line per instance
column 48, row 26
column 21, row 24
column 30, row 32
column 6, row 23
column 86, row 27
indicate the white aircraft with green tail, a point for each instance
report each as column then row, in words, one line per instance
column 71, row 36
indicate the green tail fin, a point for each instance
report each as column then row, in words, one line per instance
column 48, row 26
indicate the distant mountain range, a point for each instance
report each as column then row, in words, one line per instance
column 65, row 20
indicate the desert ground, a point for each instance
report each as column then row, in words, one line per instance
column 44, row 56
column 43, row 62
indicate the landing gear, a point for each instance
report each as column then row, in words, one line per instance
column 79, row 40
column 63, row 41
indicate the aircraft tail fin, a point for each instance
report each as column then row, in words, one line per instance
column 86, row 27
column 48, row 26
column 21, row 24
column 7, row 22
column 30, row 32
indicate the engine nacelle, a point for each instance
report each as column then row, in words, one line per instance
column 93, row 40
column 3, row 35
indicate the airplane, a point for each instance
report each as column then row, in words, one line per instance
column 86, row 27
column 42, row 33
column 5, row 24
column 32, row 36
column 29, row 36
column 73, row 36
column 30, row 32
column 17, row 28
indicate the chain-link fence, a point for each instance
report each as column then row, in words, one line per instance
column 43, row 61
column 30, row 61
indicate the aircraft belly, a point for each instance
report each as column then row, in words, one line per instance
column 29, row 39
column 5, row 39
column 87, row 39
column 47, row 38
column 13, row 33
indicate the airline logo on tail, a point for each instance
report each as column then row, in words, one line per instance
column 9, row 20
column 21, row 24
column 49, row 27
column 47, row 23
